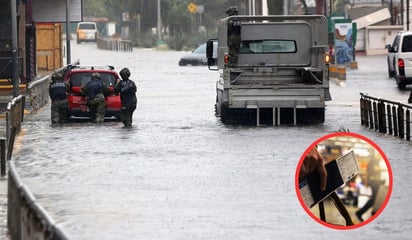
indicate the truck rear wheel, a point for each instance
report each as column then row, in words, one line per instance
column 310, row 115
column 218, row 104
column 237, row 116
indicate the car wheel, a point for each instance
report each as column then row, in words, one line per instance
column 391, row 73
column 401, row 85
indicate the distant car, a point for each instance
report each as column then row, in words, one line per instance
column 86, row 32
column 77, row 76
column 400, row 59
column 197, row 57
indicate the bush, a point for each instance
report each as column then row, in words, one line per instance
column 179, row 41
column 146, row 40
column 185, row 41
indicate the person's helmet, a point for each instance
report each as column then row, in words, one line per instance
column 56, row 77
column 232, row 11
column 95, row 76
column 125, row 73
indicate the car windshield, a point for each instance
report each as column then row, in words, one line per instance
column 87, row 26
column 200, row 49
column 268, row 46
column 82, row 78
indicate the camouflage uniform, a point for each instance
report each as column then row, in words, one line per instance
column 95, row 90
column 127, row 90
column 233, row 38
column 58, row 96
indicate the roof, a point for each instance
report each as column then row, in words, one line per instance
column 377, row 15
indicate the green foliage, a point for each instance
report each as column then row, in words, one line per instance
column 146, row 40
column 94, row 8
column 180, row 27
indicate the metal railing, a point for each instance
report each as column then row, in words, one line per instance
column 14, row 118
column 114, row 44
column 26, row 218
column 386, row 116
column 39, row 92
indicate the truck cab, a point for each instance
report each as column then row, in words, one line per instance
column 273, row 69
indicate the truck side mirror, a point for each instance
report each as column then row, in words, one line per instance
column 209, row 49
column 211, row 60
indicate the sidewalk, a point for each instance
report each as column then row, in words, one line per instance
column 5, row 98
column 3, row 180
column 3, row 208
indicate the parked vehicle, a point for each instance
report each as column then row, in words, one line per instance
column 400, row 59
column 77, row 76
column 86, row 32
column 196, row 57
column 273, row 69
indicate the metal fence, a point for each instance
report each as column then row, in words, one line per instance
column 114, row 44
column 386, row 116
column 39, row 92
column 14, row 117
column 26, row 218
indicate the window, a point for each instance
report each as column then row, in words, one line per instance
column 268, row 46
column 407, row 44
column 87, row 26
column 79, row 79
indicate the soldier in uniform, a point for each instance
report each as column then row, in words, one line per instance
column 127, row 90
column 58, row 96
column 95, row 90
column 233, row 38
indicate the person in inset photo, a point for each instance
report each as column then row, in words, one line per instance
column 344, row 181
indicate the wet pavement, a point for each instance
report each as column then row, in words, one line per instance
column 180, row 174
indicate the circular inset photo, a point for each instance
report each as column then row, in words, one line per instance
column 343, row 180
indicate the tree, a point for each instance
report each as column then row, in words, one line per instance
column 94, row 8
column 175, row 16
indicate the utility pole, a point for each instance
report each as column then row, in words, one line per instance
column 15, row 60
column 159, row 23
column 68, row 55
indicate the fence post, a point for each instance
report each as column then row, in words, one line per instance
column 408, row 125
column 11, row 143
column 395, row 121
column 401, row 122
column 382, row 116
column 362, row 112
column 375, row 115
column 370, row 113
column 388, row 109
column 3, row 156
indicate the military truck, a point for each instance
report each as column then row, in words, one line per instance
column 273, row 69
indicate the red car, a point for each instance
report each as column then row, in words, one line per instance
column 77, row 76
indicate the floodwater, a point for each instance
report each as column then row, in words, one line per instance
column 180, row 174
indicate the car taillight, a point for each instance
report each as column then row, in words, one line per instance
column 401, row 63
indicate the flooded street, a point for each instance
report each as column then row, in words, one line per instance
column 180, row 174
